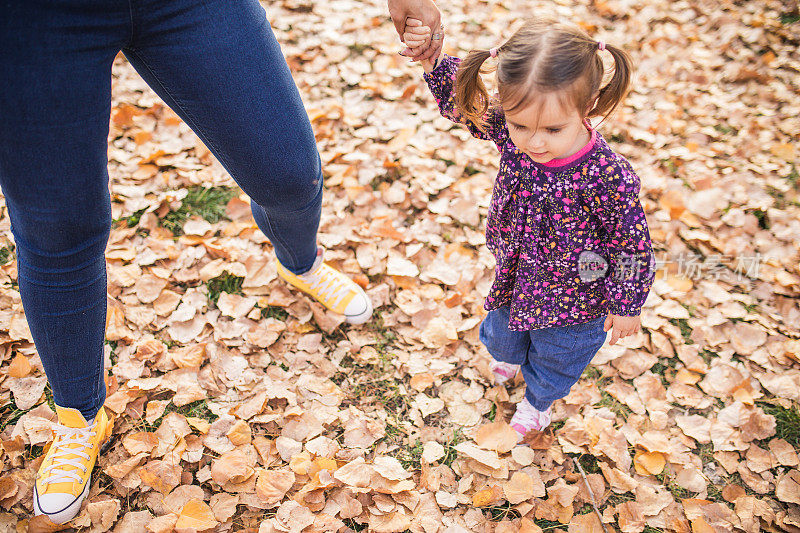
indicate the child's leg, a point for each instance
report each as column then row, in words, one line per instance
column 557, row 358
column 508, row 348
column 555, row 361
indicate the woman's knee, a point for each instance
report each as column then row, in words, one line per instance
column 292, row 186
column 64, row 242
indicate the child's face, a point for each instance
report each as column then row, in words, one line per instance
column 547, row 130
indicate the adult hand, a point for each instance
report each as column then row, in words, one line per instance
column 428, row 13
column 622, row 326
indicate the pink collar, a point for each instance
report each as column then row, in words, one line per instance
column 577, row 155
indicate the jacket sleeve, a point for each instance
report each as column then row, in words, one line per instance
column 441, row 82
column 612, row 194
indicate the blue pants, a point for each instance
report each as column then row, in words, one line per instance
column 218, row 65
column 552, row 359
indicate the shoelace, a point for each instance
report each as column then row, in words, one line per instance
column 328, row 285
column 66, row 436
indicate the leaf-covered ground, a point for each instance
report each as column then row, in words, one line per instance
column 240, row 405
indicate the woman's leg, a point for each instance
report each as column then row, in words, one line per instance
column 218, row 65
column 55, row 95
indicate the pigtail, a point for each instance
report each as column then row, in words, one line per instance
column 610, row 96
column 472, row 98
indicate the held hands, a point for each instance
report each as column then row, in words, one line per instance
column 416, row 36
column 623, row 326
column 421, row 10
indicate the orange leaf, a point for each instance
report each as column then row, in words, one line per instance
column 649, row 463
column 196, row 514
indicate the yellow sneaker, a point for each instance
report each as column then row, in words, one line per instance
column 332, row 289
column 64, row 478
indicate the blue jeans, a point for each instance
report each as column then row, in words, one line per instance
column 552, row 359
column 218, row 65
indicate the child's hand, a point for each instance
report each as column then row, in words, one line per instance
column 416, row 35
column 623, row 326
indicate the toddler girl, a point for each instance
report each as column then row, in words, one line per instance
column 573, row 251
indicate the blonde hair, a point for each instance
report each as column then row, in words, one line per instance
column 544, row 57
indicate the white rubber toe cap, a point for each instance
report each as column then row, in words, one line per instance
column 59, row 507
column 358, row 310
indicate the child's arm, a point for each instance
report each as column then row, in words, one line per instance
column 613, row 195
column 440, row 75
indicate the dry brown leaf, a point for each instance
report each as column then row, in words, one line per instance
column 233, row 467
column 498, row 436
column 519, row 488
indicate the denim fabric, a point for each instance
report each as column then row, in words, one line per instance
column 218, row 65
column 552, row 359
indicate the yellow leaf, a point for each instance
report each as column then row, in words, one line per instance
column 301, row 463
column 680, row 283
column 240, row 433
column 649, row 463
column 19, row 367
column 196, row 514
column 199, row 424
column 743, row 395
column 272, row 485
column 701, row 526
column 483, row 498
column 785, row 151
column 325, row 463
column 687, row 377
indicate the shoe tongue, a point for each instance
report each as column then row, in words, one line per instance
column 72, row 418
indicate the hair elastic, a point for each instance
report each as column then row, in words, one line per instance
column 601, row 45
column 493, row 52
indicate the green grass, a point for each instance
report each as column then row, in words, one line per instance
column 225, row 282
column 273, row 311
column 500, row 512
column 794, row 176
column 686, row 331
column 450, row 452
column 763, row 219
column 548, row 525
column 355, row 526
column 618, row 408
column 208, row 203
column 789, row 18
column 132, row 220
column 678, row 492
column 589, row 464
column 787, row 422
column 6, row 254
column 198, row 409
column 592, row 373
column 410, row 456
column 386, row 337
column 10, row 413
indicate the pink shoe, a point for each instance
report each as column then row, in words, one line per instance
column 503, row 371
column 528, row 418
